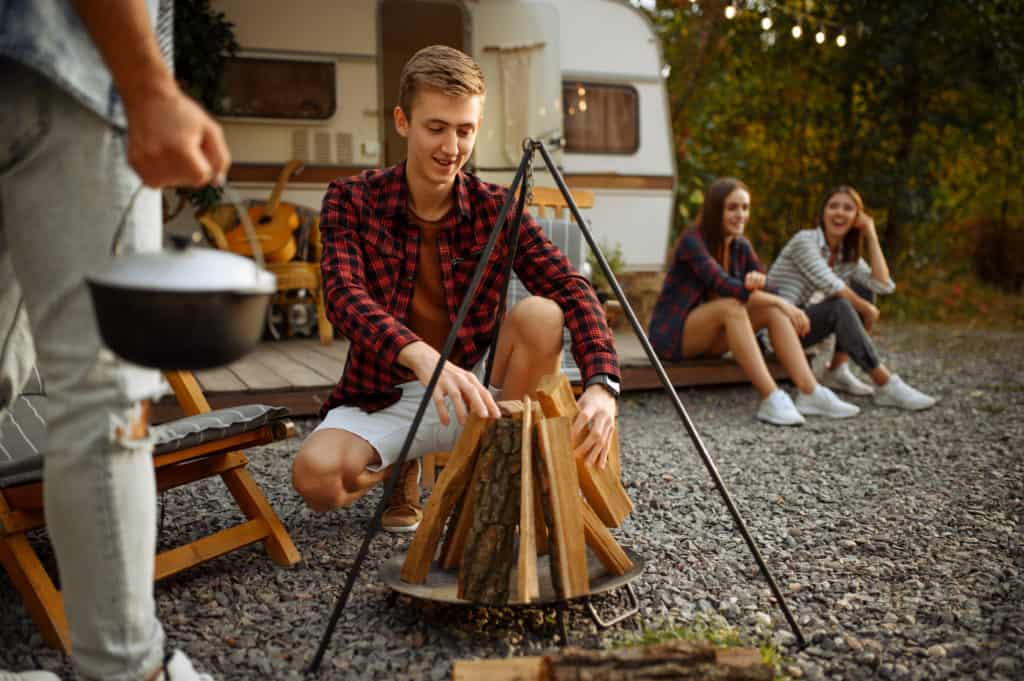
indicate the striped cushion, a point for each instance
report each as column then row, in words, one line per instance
column 23, row 433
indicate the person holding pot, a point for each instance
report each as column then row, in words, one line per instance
column 400, row 247
column 90, row 112
column 829, row 260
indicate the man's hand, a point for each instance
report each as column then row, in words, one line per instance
column 463, row 387
column 596, row 419
column 754, row 281
column 172, row 141
column 798, row 318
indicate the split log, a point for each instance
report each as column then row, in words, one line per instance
column 562, row 491
column 680, row 660
column 527, row 581
column 601, row 487
column 439, row 506
column 484, row 575
column 604, row 546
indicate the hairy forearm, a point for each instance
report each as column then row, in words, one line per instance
column 122, row 31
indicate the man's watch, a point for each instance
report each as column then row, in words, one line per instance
column 607, row 382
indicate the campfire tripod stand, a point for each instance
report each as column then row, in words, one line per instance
column 531, row 146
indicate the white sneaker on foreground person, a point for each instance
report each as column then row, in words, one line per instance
column 823, row 402
column 179, row 668
column 28, row 676
column 778, row 409
column 842, row 379
column 896, row 393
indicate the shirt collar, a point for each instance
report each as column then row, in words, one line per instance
column 819, row 238
column 397, row 188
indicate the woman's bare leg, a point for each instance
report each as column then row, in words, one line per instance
column 787, row 345
column 723, row 324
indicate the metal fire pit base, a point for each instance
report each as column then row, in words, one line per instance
column 443, row 586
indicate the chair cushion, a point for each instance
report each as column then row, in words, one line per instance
column 23, row 434
column 214, row 425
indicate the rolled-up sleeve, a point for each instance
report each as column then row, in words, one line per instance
column 862, row 275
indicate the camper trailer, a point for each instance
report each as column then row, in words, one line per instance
column 317, row 80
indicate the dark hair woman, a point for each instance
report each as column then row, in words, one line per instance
column 714, row 299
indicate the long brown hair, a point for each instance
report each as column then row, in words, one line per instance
column 850, row 249
column 709, row 219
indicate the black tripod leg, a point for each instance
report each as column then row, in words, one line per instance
column 670, row 389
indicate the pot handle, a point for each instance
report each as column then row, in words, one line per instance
column 232, row 196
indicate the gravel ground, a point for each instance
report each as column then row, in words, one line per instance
column 896, row 538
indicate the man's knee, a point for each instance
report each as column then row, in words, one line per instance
column 326, row 470
column 539, row 321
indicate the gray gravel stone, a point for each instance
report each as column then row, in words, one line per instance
column 894, row 536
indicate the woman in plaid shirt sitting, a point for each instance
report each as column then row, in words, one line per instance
column 714, row 299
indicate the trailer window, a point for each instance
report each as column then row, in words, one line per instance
column 278, row 88
column 600, row 119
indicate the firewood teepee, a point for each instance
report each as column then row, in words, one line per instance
column 512, row 489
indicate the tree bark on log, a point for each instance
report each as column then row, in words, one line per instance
column 678, row 660
column 490, row 545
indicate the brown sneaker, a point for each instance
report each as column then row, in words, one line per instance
column 404, row 511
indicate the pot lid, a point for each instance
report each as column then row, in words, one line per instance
column 187, row 270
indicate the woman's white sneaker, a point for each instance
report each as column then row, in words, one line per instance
column 778, row 409
column 896, row 393
column 842, row 379
column 823, row 402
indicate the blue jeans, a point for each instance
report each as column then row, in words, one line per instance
column 64, row 185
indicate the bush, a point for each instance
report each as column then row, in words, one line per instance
column 999, row 245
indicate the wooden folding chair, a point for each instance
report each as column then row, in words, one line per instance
column 201, row 445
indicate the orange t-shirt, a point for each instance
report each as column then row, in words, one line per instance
column 428, row 310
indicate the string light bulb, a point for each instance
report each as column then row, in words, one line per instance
column 730, row 11
column 841, row 40
column 797, row 31
column 766, row 23
column 819, row 37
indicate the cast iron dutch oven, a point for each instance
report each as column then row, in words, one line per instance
column 187, row 308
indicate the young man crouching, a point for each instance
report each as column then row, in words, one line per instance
column 400, row 247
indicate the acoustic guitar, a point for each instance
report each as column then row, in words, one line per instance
column 275, row 222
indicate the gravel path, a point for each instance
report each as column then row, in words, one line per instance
column 896, row 538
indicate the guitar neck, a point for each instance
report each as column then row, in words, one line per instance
column 290, row 169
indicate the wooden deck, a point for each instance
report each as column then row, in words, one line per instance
column 300, row 374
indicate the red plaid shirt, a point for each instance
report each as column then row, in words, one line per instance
column 371, row 249
column 694, row 275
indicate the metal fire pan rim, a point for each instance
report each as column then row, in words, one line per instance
column 441, row 586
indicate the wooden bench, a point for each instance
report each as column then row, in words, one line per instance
column 199, row 446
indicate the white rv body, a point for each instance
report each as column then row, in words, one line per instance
column 601, row 42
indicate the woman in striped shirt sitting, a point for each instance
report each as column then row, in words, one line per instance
column 829, row 260
column 714, row 299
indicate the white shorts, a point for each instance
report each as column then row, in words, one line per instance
column 387, row 429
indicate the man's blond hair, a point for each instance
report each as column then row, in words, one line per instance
column 441, row 68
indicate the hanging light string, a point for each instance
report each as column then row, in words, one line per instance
column 803, row 21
